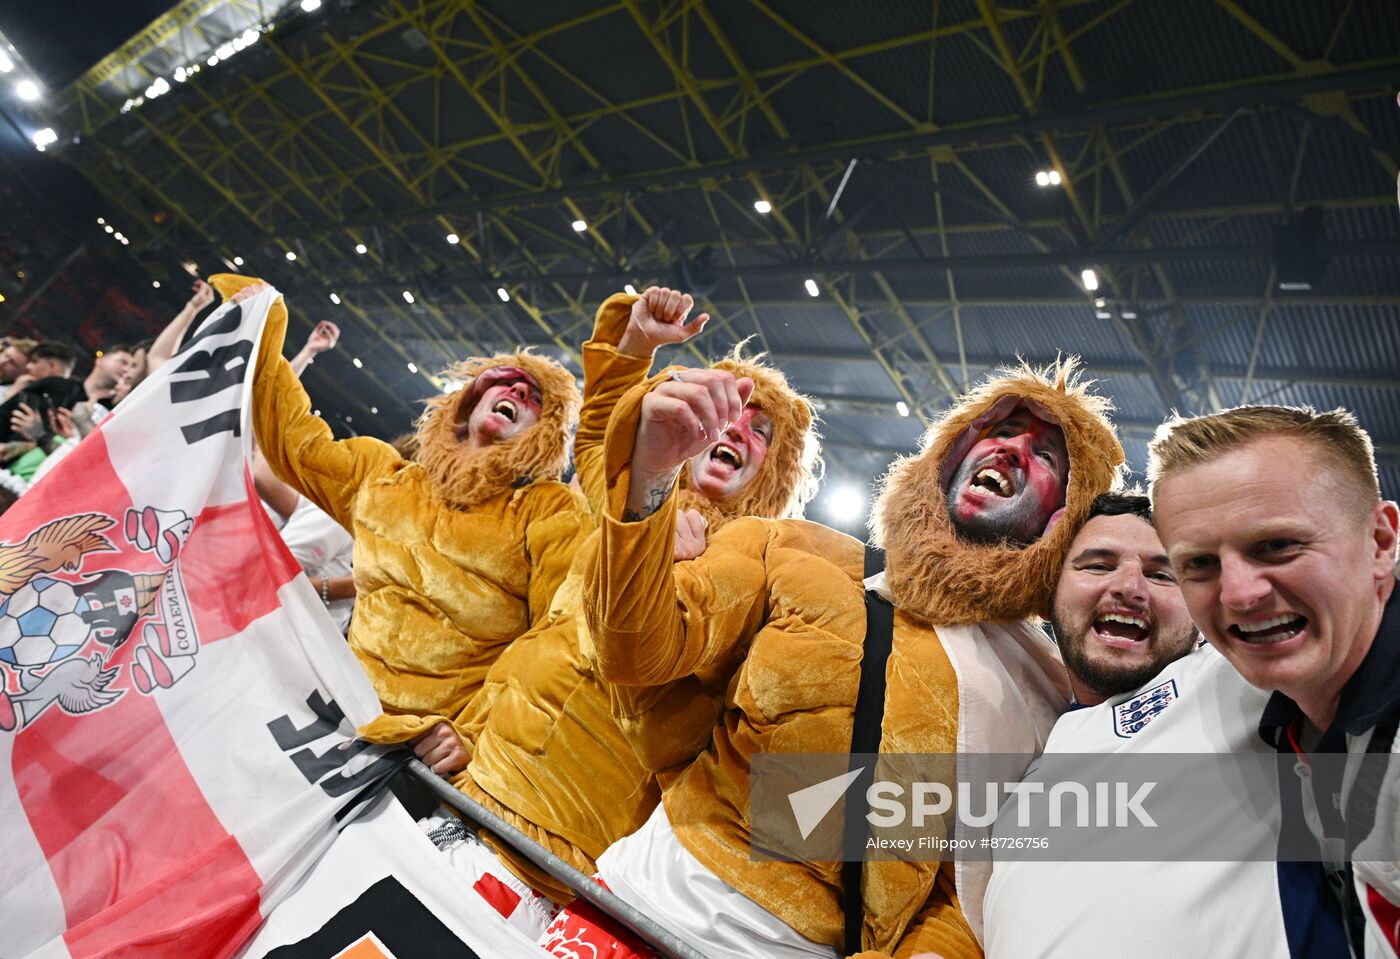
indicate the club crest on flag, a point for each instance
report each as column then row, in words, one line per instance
column 1132, row 715
column 61, row 629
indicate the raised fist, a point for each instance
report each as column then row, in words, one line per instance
column 659, row 318
column 202, row 294
column 323, row 337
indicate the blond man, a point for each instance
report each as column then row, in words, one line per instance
column 1274, row 524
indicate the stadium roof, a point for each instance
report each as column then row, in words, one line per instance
column 508, row 165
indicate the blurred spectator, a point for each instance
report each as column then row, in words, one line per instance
column 44, row 388
column 139, row 369
column 50, row 358
column 108, row 367
column 34, row 434
column 14, row 359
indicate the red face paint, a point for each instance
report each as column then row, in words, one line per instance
column 1011, row 481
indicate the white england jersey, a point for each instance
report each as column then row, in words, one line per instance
column 1147, row 910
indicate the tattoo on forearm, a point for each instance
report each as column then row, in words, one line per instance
column 652, row 500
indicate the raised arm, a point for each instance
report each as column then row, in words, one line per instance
column 299, row 446
column 322, row 338
column 650, row 620
column 627, row 332
column 169, row 339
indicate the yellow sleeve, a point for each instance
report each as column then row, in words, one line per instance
column 667, row 726
column 299, row 446
column 552, row 539
column 652, row 620
column 940, row 927
column 607, row 375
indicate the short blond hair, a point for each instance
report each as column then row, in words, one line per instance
column 1184, row 442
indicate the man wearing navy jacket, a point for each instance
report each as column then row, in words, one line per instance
column 1286, row 553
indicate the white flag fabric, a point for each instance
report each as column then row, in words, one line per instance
column 178, row 710
column 383, row 891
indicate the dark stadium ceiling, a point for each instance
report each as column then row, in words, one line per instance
column 507, row 165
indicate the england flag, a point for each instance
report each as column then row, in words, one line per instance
column 177, row 712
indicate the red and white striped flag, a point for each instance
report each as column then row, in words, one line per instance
column 178, row 710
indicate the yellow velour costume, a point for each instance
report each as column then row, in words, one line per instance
column 547, row 754
column 966, row 673
column 455, row 556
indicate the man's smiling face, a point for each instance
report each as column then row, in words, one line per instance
column 1118, row 614
column 731, row 464
column 1011, row 481
column 1280, row 563
column 502, row 403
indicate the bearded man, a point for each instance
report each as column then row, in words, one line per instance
column 1142, row 683
column 969, row 527
column 458, row 551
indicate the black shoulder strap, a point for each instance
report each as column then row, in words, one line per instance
column 865, row 739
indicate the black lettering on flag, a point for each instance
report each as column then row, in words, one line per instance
column 226, row 422
column 223, row 367
column 313, row 767
column 328, row 717
column 381, row 768
column 227, row 323
column 395, row 916
column 219, row 369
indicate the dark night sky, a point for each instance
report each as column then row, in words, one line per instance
column 45, row 34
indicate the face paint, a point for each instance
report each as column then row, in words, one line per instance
column 1011, row 481
column 504, row 402
column 731, row 464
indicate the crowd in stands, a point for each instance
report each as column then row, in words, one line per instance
column 601, row 664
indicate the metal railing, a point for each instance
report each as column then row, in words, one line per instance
column 585, row 887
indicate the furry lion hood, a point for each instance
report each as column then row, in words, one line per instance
column 541, row 452
column 941, row 578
